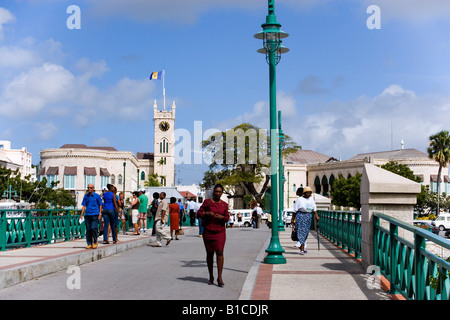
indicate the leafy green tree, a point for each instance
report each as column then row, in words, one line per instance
column 240, row 160
column 439, row 150
column 346, row 192
column 152, row 181
column 35, row 192
column 402, row 170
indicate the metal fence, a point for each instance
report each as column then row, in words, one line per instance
column 24, row 228
column 411, row 269
column 343, row 228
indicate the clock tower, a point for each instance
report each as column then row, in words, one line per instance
column 164, row 145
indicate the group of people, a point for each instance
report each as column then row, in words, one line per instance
column 212, row 215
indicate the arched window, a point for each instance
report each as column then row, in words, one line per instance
column 113, row 179
column 119, row 179
column 164, row 146
column 142, row 176
column 325, row 185
column 332, row 178
column 317, row 185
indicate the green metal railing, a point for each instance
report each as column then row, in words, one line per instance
column 29, row 227
column 45, row 226
column 343, row 228
column 412, row 271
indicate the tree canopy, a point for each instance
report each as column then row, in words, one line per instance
column 36, row 192
column 240, row 159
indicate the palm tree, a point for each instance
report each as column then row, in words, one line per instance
column 439, row 150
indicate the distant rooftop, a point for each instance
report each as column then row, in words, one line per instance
column 145, row 155
column 307, row 157
column 392, row 155
column 83, row 146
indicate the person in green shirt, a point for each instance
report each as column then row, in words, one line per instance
column 143, row 205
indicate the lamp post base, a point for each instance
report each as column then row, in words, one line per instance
column 275, row 253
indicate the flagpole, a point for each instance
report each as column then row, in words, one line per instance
column 164, row 89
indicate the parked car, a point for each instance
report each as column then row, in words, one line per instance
column 442, row 221
column 427, row 225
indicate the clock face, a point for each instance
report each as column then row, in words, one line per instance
column 164, row 126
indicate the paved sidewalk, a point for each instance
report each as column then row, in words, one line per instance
column 325, row 274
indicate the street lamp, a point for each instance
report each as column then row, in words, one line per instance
column 271, row 36
column 281, row 175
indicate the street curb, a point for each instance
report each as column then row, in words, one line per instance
column 249, row 284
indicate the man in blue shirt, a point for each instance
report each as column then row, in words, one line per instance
column 92, row 206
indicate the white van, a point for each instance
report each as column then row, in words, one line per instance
column 442, row 221
column 287, row 216
column 246, row 217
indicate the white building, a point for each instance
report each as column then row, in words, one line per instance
column 309, row 168
column 16, row 159
column 74, row 166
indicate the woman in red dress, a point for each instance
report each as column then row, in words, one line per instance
column 174, row 216
column 214, row 213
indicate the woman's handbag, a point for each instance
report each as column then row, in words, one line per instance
column 181, row 231
column 294, row 235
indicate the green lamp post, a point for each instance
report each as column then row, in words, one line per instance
column 271, row 36
column 281, row 175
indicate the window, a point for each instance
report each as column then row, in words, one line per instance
column 104, row 180
column 119, row 179
column 142, row 176
column 113, row 179
column 50, row 179
column 69, row 182
column 88, row 180
column 164, row 146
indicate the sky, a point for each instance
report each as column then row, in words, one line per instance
column 356, row 79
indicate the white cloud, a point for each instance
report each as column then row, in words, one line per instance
column 363, row 124
column 5, row 17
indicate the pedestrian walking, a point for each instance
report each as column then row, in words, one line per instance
column 191, row 208
column 214, row 213
column 200, row 220
column 153, row 209
column 135, row 213
column 304, row 208
column 142, row 211
column 122, row 212
column 174, row 216
column 92, row 210
column 109, row 205
column 161, row 214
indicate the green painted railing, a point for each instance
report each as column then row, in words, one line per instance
column 343, row 228
column 412, row 271
column 45, row 226
column 38, row 226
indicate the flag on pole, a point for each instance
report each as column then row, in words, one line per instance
column 156, row 75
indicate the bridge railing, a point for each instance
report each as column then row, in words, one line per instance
column 343, row 228
column 19, row 228
column 411, row 269
column 24, row 228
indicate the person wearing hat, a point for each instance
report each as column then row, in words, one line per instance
column 304, row 208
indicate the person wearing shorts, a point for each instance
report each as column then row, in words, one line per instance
column 135, row 212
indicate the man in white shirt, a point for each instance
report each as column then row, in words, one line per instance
column 191, row 208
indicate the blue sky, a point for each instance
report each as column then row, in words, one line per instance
column 343, row 88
